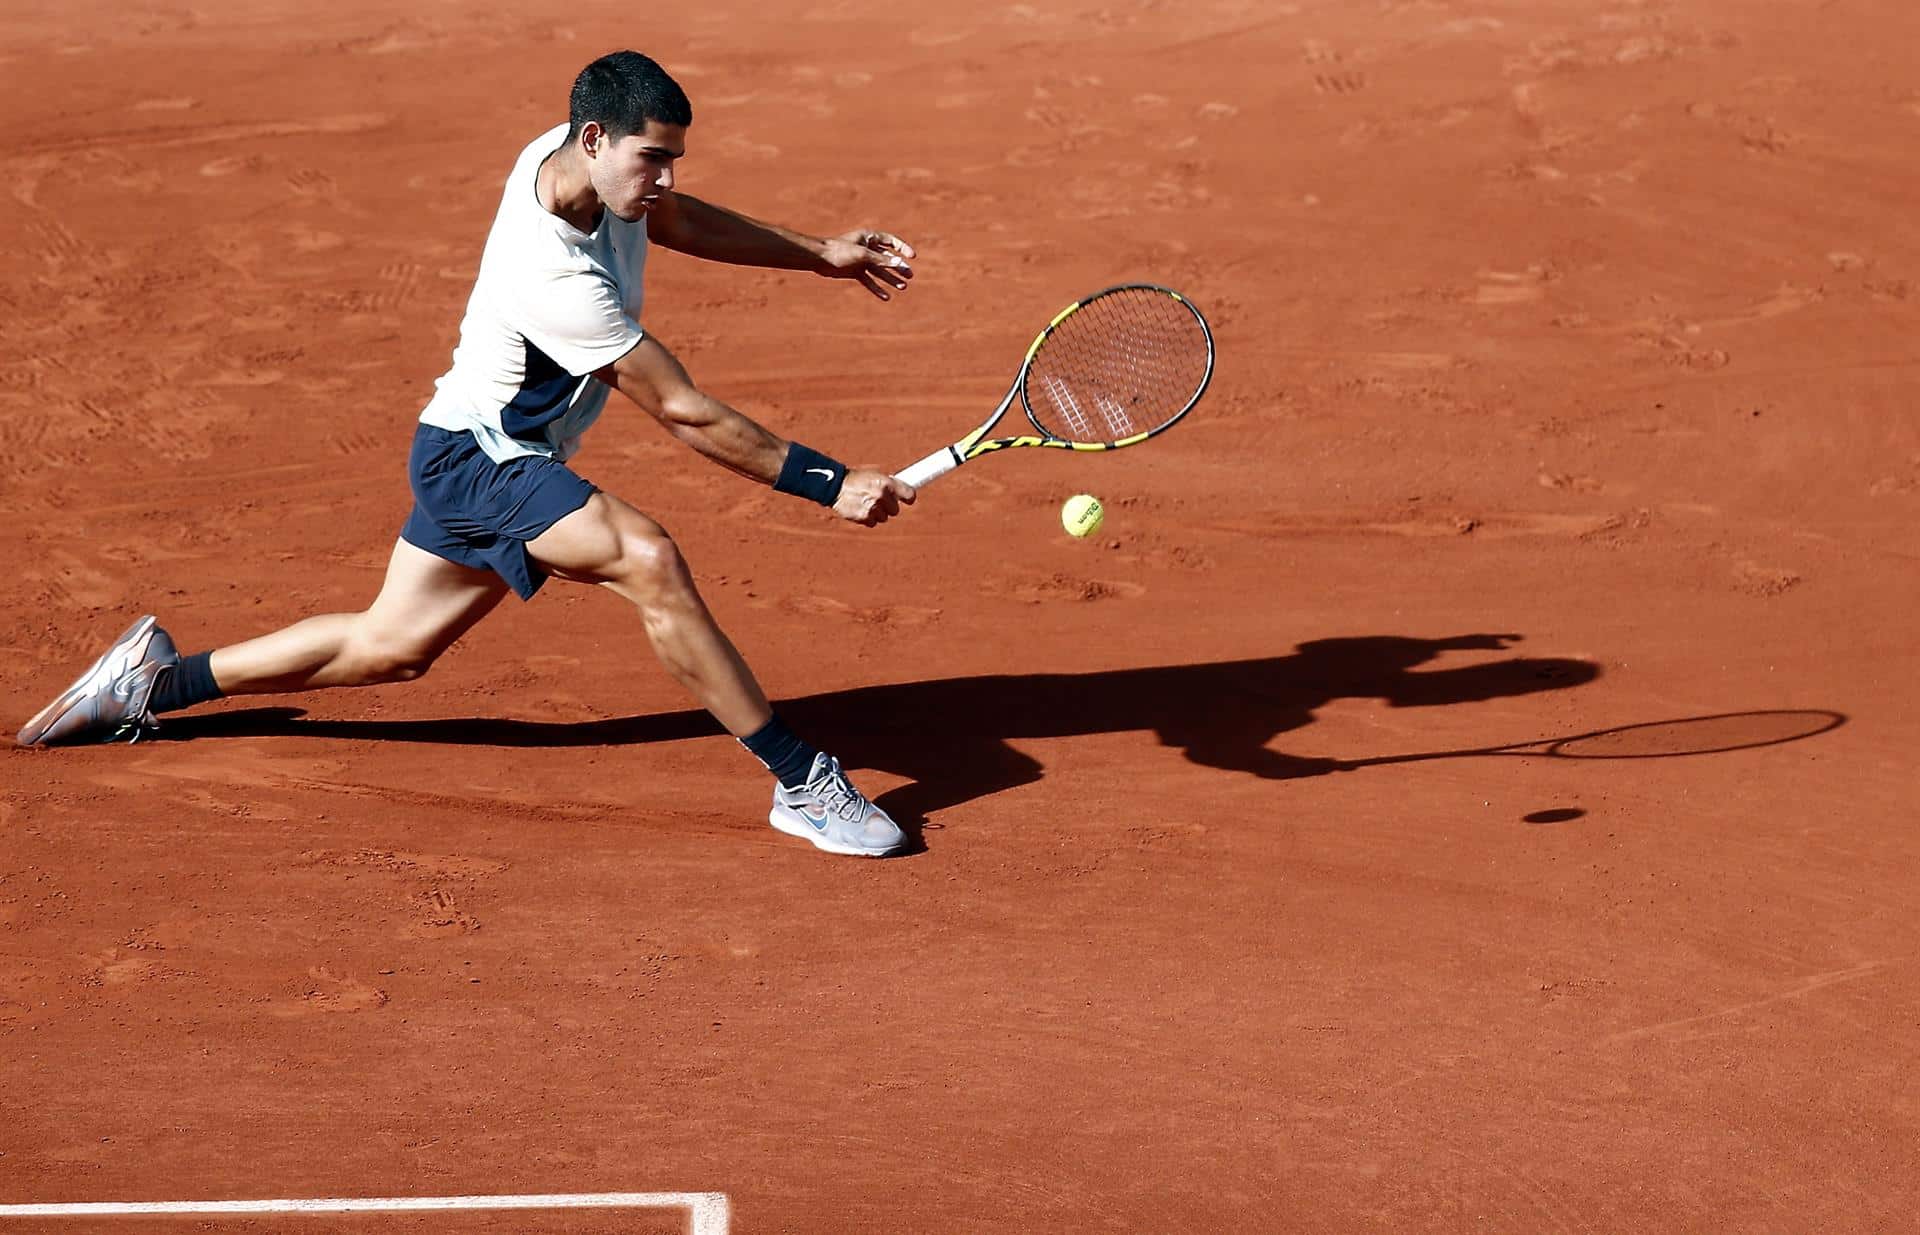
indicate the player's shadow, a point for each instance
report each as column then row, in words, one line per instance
column 949, row 736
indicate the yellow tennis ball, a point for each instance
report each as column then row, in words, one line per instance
column 1082, row 514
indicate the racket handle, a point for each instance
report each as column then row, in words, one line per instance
column 937, row 464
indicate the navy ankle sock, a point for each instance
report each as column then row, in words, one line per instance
column 782, row 750
column 187, row 683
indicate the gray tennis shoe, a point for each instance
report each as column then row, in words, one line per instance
column 832, row 814
column 109, row 702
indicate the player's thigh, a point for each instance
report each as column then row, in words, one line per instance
column 427, row 602
column 608, row 541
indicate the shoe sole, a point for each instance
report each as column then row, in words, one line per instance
column 46, row 717
column 822, row 842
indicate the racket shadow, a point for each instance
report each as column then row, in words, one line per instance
column 1681, row 737
column 949, row 737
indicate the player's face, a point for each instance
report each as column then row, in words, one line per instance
column 631, row 173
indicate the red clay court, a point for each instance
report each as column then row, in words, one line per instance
column 1566, row 385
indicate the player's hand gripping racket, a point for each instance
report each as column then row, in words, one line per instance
column 1111, row 370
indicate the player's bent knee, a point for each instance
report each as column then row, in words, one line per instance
column 374, row 662
column 404, row 670
column 651, row 566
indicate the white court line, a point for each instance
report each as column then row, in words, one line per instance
column 708, row 1210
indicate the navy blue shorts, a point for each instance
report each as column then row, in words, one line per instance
column 475, row 512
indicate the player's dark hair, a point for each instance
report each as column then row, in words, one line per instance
column 622, row 91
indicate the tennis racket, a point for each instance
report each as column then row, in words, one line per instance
column 1111, row 370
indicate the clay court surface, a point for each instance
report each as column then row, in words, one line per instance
column 1567, row 371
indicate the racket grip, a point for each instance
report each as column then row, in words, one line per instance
column 937, row 464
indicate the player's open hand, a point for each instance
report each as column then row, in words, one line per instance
column 870, row 498
column 877, row 260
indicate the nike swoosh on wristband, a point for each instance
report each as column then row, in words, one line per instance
column 820, row 471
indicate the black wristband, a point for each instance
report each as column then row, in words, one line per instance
column 808, row 473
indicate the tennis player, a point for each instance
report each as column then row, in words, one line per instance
column 552, row 327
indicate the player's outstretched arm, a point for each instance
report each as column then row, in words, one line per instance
column 654, row 379
column 876, row 260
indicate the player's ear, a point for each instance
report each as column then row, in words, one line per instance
column 592, row 137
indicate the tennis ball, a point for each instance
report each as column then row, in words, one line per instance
column 1082, row 514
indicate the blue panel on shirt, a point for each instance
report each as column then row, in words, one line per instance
column 546, row 391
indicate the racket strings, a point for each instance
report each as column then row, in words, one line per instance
column 1121, row 364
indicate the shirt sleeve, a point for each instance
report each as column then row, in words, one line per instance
column 576, row 318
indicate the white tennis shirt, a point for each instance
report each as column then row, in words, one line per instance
column 551, row 305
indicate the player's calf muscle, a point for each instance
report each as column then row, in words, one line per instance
column 334, row 649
